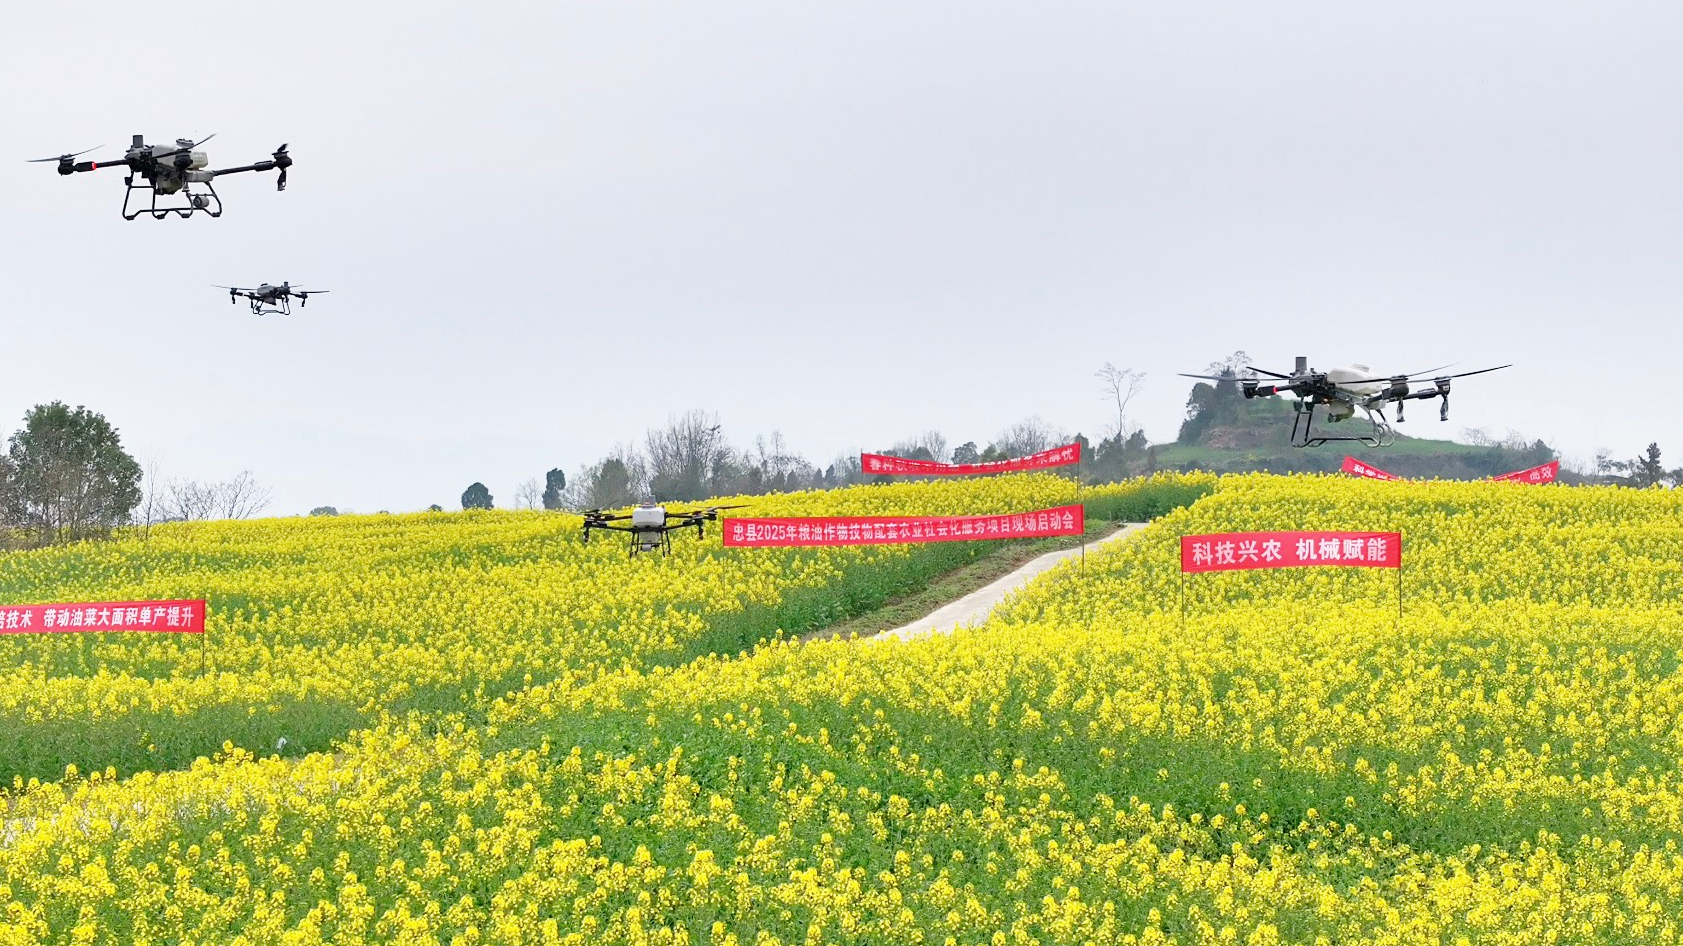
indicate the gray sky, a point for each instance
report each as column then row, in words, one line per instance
column 548, row 226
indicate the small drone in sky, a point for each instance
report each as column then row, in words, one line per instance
column 1343, row 390
column 266, row 299
column 168, row 170
column 651, row 525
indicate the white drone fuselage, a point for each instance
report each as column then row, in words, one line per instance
column 1358, row 380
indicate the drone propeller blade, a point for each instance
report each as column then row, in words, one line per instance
column 732, row 506
column 1413, row 375
column 1271, row 374
column 1207, row 377
column 1416, row 374
column 171, row 154
column 1468, row 374
column 63, row 157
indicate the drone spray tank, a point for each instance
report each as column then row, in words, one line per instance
column 647, row 521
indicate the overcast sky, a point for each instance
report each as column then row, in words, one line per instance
column 548, row 226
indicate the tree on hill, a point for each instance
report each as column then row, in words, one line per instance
column 554, row 489
column 528, row 495
column 687, row 457
column 614, row 482
column 66, row 476
column 329, row 511
column 1647, row 470
column 476, row 497
column 1121, row 385
column 1214, row 404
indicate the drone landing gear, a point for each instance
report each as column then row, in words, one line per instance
column 197, row 201
column 1303, row 434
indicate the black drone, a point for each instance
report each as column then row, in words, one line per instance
column 652, row 525
column 168, row 170
column 1344, row 390
column 266, row 299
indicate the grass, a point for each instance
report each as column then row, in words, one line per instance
column 955, row 584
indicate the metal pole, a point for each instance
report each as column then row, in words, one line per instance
column 1399, row 585
column 1183, row 600
column 1079, row 501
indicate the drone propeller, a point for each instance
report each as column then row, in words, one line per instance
column 1468, row 374
column 63, row 158
column 184, row 149
column 1400, row 377
column 1212, row 377
column 282, row 161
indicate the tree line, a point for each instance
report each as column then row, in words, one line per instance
column 690, row 459
column 65, row 477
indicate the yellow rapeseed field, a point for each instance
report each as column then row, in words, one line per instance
column 1290, row 765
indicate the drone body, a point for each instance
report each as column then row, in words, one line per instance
column 266, row 299
column 650, row 526
column 1343, row 391
column 171, row 170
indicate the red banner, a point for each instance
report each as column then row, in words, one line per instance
column 1237, row 551
column 901, row 530
column 878, row 465
column 166, row 617
column 1547, row 473
column 1355, row 467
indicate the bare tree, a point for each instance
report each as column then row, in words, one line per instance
column 529, row 495
column 687, row 457
column 242, row 497
column 190, row 500
column 1121, row 385
column 151, row 500
column 1030, row 435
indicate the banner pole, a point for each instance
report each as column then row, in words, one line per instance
column 1399, row 585
column 1183, row 592
column 1079, row 501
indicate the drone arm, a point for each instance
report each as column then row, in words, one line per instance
column 259, row 166
column 82, row 166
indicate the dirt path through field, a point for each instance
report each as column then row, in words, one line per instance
column 975, row 607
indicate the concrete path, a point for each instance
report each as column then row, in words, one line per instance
column 975, row 607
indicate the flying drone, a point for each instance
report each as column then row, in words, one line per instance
column 1343, row 391
column 168, row 170
column 651, row 526
column 277, row 299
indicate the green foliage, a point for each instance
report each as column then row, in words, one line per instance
column 67, row 477
column 555, row 482
column 329, row 511
column 476, row 497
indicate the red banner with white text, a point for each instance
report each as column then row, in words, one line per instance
column 1547, row 473
column 1239, row 551
column 1355, row 467
column 878, row 465
column 901, row 530
column 166, row 617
